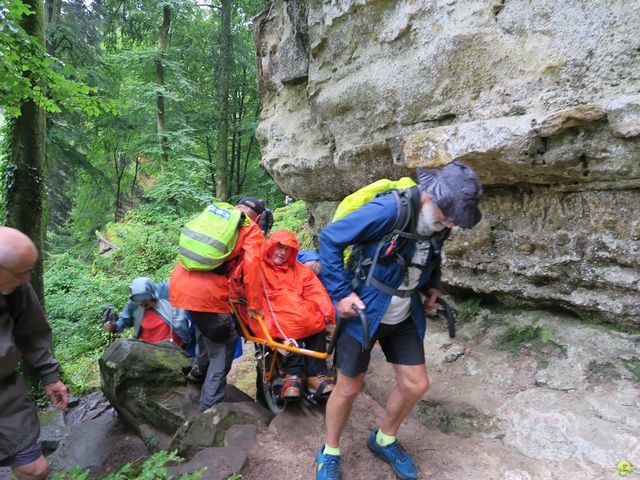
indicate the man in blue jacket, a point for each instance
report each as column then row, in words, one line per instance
column 392, row 263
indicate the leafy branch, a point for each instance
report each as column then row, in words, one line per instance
column 28, row 73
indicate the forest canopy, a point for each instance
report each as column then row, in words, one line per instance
column 120, row 120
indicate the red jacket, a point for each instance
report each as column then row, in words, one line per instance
column 292, row 294
column 209, row 291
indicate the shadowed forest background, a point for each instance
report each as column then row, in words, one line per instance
column 121, row 120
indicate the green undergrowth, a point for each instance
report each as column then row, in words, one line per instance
column 533, row 334
column 294, row 218
column 469, row 310
column 153, row 468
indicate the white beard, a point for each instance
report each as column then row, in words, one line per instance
column 427, row 222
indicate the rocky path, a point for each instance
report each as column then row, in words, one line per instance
column 566, row 409
column 288, row 448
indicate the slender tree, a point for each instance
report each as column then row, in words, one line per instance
column 225, row 66
column 26, row 170
column 163, row 34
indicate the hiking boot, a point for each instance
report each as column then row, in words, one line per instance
column 394, row 455
column 327, row 466
column 320, row 385
column 291, row 387
column 196, row 375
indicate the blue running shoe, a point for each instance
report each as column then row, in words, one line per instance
column 327, row 466
column 396, row 456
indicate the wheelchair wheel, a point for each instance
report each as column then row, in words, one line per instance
column 268, row 395
column 268, row 392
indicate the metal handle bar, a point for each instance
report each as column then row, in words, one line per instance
column 451, row 319
column 340, row 324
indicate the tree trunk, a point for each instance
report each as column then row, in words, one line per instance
column 236, row 141
column 163, row 33
column 53, row 9
column 212, row 167
column 224, row 72
column 238, row 158
column 26, row 169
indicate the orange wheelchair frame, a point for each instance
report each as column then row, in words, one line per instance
column 269, row 382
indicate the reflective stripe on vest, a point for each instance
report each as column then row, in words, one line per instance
column 199, row 258
column 200, row 237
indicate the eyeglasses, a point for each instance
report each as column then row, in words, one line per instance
column 18, row 275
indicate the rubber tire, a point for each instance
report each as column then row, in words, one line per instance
column 265, row 397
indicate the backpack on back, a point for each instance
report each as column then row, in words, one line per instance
column 354, row 201
column 207, row 241
column 407, row 197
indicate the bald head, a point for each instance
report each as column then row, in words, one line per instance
column 18, row 256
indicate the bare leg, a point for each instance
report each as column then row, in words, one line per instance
column 339, row 406
column 36, row 470
column 412, row 381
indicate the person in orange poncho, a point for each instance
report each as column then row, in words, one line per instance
column 296, row 306
column 205, row 295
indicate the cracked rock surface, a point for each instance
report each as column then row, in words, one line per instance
column 541, row 98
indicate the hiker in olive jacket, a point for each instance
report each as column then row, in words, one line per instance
column 24, row 334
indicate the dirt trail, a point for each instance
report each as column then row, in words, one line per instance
column 288, row 448
column 567, row 412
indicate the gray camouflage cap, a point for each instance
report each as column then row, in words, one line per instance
column 456, row 190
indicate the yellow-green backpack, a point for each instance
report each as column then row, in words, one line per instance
column 368, row 193
column 207, row 241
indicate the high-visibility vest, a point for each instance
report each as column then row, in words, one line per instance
column 207, row 241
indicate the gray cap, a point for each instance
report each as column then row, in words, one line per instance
column 142, row 288
column 456, row 190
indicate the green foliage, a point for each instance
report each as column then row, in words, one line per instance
column 293, row 217
column 633, row 365
column 517, row 336
column 153, row 468
column 469, row 311
column 234, row 476
column 75, row 296
column 152, row 441
column 74, row 474
column 27, row 73
column 147, row 245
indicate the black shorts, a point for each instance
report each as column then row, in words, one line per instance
column 400, row 344
column 27, row 455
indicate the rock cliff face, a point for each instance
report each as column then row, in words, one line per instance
column 541, row 98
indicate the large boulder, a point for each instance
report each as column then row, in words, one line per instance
column 541, row 98
column 146, row 384
column 209, row 429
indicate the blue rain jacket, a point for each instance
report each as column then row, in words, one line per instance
column 368, row 225
column 305, row 256
column 176, row 318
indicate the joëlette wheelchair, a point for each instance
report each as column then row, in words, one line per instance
column 269, row 353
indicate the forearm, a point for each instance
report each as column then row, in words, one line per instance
column 125, row 319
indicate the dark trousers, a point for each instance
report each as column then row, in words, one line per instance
column 218, row 337
column 302, row 365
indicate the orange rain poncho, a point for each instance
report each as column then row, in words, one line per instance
column 208, row 291
column 294, row 294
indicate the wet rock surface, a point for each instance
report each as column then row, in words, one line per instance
column 540, row 98
column 509, row 406
column 146, row 384
column 562, row 409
